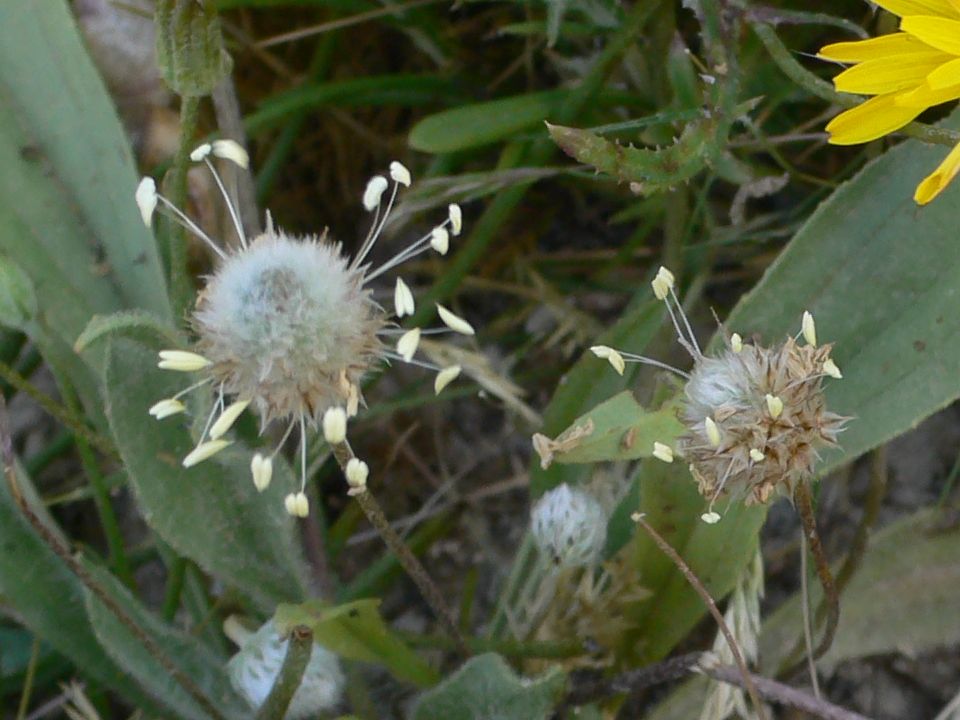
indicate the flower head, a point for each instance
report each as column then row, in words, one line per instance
column 255, row 667
column 755, row 416
column 569, row 526
column 906, row 72
column 288, row 325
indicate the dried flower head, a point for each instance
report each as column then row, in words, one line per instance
column 289, row 326
column 755, row 416
column 569, row 526
column 255, row 667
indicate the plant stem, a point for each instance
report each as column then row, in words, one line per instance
column 180, row 287
column 781, row 55
column 65, row 554
column 808, row 519
column 299, row 648
column 695, row 583
column 430, row 592
column 541, row 649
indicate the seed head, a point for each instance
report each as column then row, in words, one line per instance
column 768, row 416
column 255, row 667
column 569, row 526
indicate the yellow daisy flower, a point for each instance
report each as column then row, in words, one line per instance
column 906, row 72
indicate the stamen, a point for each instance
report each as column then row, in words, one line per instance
column 190, row 225
column 233, row 151
column 831, row 369
column 632, row 357
column 774, row 405
column 418, row 363
column 297, row 504
column 191, row 388
column 182, row 361
column 736, row 342
column 710, row 517
column 756, row 455
column 400, row 174
column 663, row 452
column 262, row 470
column 146, row 197
column 200, row 152
column 234, row 216
column 227, row 418
column 612, row 356
column 445, row 377
column 440, row 239
column 303, row 453
column 335, row 425
column 713, row 432
column 455, row 216
column 374, row 191
column 686, row 323
column 408, row 343
column 205, row 450
column 357, row 473
column 808, row 328
column 403, row 299
column 167, row 407
column 455, row 322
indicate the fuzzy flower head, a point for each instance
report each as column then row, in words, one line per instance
column 255, row 667
column 755, row 416
column 289, row 327
column 569, row 526
column 906, row 72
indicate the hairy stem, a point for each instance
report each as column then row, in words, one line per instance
column 177, row 235
column 299, row 648
column 695, row 583
column 414, row 568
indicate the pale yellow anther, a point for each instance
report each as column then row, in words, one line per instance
column 713, row 432
column 756, row 455
column 204, row 451
column 297, row 504
column 262, row 470
column 357, row 473
column 831, row 369
column 774, row 405
column 166, row 408
column 662, row 283
column 408, row 343
column 374, row 191
column 711, row 518
column 611, row 356
column 456, row 218
column 440, row 240
column 403, row 299
column 445, row 377
column 200, row 152
column 663, row 452
column 353, row 401
column 809, row 328
column 335, row 425
column 736, row 342
column 231, row 150
column 455, row 322
column 182, row 361
column 227, row 418
column 146, row 197
column 400, row 174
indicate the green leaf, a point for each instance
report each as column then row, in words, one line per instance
column 67, row 175
column 211, row 512
column 184, row 651
column 486, row 687
column 18, row 302
column 617, row 429
column 356, row 631
column 137, row 324
column 47, row 597
column 904, row 598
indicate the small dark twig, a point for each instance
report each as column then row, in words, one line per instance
column 413, row 567
column 62, row 551
column 299, row 649
column 831, row 598
column 695, row 583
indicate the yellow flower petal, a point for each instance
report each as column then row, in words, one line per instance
column 902, row 8
column 874, row 48
column 933, row 184
column 889, row 74
column 941, row 33
column 869, row 120
column 944, row 76
column 924, row 96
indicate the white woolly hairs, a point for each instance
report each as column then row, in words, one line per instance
column 255, row 667
column 569, row 526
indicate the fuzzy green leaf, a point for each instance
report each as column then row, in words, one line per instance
column 137, row 324
column 355, row 630
column 617, row 429
column 486, row 687
column 211, row 512
column 184, row 651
